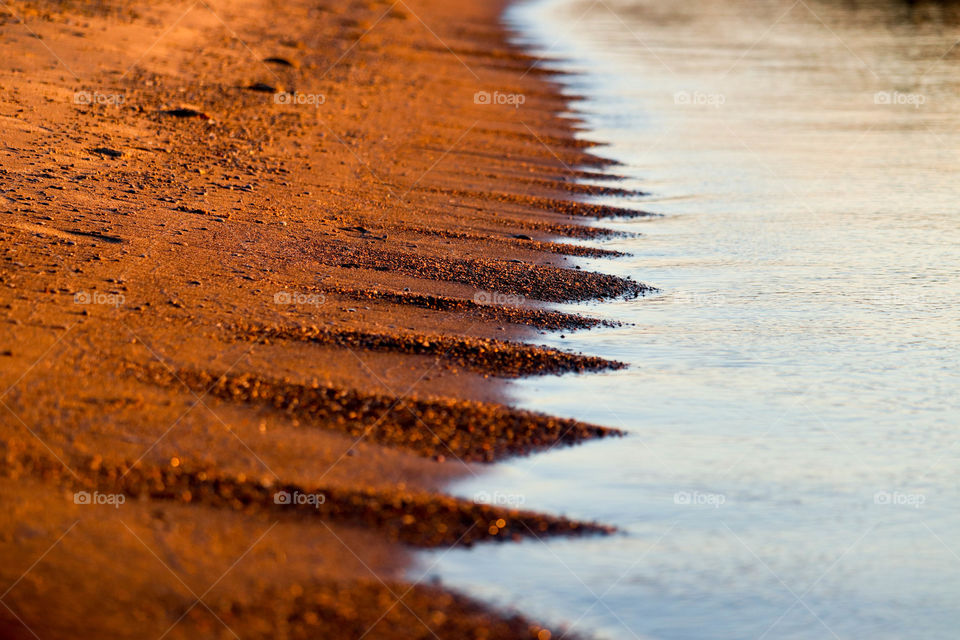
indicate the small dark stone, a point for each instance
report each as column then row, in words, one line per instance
column 107, row 151
column 262, row 87
column 283, row 62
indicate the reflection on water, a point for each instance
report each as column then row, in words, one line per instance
column 895, row 12
column 863, row 14
column 792, row 468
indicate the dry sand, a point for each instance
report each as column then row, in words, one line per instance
column 211, row 292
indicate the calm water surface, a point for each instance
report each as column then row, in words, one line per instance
column 794, row 395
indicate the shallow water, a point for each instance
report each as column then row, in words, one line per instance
column 791, row 468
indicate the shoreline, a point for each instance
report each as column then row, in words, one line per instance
column 252, row 251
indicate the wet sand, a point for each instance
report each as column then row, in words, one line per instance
column 265, row 269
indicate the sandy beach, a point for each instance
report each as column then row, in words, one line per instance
column 265, row 269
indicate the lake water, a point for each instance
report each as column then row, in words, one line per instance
column 794, row 396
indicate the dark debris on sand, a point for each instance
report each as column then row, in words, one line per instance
column 421, row 519
column 534, row 281
column 484, row 355
column 472, row 431
column 373, row 609
column 539, row 318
